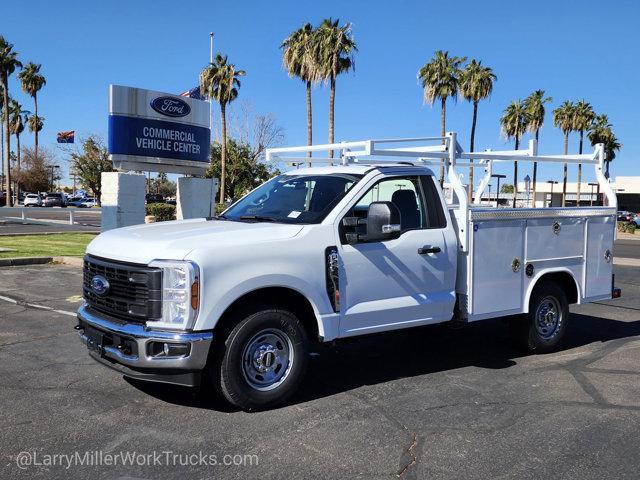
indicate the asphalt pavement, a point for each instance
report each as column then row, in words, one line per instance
column 430, row 402
column 627, row 247
column 48, row 220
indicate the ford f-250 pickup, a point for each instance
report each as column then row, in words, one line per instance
column 321, row 253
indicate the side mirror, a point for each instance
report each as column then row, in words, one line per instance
column 383, row 221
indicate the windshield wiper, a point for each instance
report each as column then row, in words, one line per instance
column 257, row 218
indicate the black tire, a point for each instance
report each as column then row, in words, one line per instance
column 262, row 340
column 543, row 329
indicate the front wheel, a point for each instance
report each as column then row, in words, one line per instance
column 545, row 326
column 264, row 360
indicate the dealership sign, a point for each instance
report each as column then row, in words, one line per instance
column 159, row 132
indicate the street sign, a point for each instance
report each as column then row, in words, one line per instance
column 157, row 132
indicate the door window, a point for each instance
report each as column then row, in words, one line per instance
column 405, row 192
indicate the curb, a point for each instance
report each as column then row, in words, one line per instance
column 22, row 261
column 14, row 262
column 95, row 232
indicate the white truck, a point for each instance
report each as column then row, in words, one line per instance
column 316, row 254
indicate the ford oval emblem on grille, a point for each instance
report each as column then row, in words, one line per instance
column 170, row 106
column 99, row 285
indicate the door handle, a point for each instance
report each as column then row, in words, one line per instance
column 429, row 249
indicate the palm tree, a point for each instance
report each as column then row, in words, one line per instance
column 514, row 123
column 601, row 131
column 299, row 59
column 35, row 124
column 219, row 81
column 8, row 64
column 564, row 118
column 334, row 49
column 439, row 79
column 534, row 104
column 32, row 82
column 476, row 83
column 17, row 118
column 584, row 117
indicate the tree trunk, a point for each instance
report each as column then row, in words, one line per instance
column 515, row 176
column 35, row 139
column 564, row 170
column 7, row 143
column 223, row 150
column 535, row 173
column 471, row 149
column 443, row 132
column 18, row 158
column 309, row 120
column 332, row 101
column 579, row 169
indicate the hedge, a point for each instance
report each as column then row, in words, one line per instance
column 162, row 211
column 627, row 227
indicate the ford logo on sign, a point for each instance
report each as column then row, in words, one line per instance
column 170, row 106
column 99, row 285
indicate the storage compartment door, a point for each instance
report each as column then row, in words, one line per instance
column 599, row 270
column 496, row 287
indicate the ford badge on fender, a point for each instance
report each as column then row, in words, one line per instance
column 171, row 106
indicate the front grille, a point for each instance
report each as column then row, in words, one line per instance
column 134, row 293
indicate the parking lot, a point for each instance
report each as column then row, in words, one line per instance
column 432, row 402
column 48, row 220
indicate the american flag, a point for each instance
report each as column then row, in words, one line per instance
column 193, row 93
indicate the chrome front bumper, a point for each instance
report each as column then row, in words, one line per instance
column 127, row 347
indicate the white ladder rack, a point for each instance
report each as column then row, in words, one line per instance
column 439, row 151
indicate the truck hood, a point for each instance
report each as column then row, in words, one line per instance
column 174, row 240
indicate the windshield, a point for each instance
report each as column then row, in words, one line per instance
column 293, row 198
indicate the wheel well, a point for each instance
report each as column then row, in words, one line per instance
column 275, row 297
column 564, row 280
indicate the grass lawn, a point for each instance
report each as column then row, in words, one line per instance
column 62, row 244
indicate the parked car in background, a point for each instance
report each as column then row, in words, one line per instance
column 636, row 220
column 76, row 201
column 153, row 198
column 625, row 216
column 55, row 200
column 32, row 200
column 88, row 202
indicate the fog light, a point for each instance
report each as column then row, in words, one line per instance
column 168, row 350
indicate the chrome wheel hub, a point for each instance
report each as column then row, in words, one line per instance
column 267, row 359
column 548, row 317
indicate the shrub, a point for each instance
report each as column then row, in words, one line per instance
column 162, row 211
column 627, row 227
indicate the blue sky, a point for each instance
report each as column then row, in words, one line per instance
column 571, row 49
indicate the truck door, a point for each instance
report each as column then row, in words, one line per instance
column 405, row 281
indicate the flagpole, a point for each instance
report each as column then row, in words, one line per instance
column 211, row 99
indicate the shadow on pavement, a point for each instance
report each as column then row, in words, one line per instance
column 380, row 358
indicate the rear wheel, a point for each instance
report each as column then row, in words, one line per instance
column 264, row 359
column 544, row 327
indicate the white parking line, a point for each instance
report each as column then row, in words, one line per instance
column 35, row 305
column 627, row 262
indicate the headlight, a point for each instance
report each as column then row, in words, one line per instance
column 180, row 294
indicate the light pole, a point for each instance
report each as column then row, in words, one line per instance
column 591, row 184
column 53, row 167
column 498, row 176
column 489, row 185
column 552, row 183
column 527, row 187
